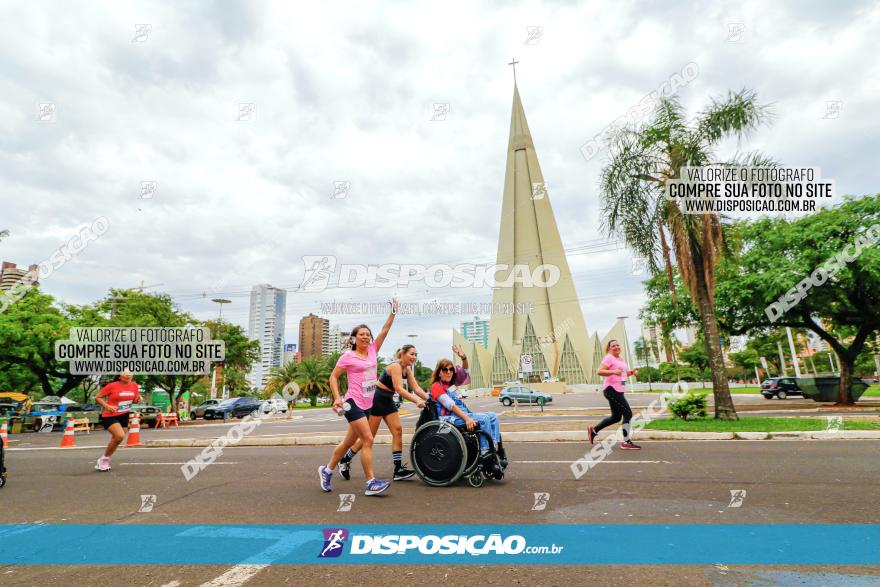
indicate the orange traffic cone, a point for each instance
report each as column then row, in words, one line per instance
column 67, row 439
column 134, row 431
column 3, row 433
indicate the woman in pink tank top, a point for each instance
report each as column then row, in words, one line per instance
column 614, row 371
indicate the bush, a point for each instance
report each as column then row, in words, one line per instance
column 692, row 405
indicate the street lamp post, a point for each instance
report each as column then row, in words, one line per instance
column 221, row 301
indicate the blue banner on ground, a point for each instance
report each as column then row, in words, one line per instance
column 630, row 544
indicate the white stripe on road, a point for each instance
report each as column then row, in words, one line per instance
column 214, row 463
column 56, row 447
column 236, row 576
column 605, row 461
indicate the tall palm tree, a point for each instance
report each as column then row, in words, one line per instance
column 312, row 376
column 279, row 377
column 643, row 159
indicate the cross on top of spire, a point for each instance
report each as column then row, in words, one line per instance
column 513, row 62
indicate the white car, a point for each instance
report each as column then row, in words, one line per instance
column 276, row 403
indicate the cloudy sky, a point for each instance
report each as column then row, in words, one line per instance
column 345, row 93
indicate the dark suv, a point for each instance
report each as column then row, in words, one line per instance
column 233, row 408
column 781, row 387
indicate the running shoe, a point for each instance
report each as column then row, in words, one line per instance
column 325, row 475
column 403, row 473
column 103, row 464
column 591, row 433
column 630, row 445
column 345, row 469
column 376, row 486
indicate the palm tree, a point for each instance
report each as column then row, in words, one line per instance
column 279, row 377
column 643, row 160
column 312, row 375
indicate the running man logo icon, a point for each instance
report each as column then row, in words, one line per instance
column 318, row 269
column 541, row 501
column 737, row 497
column 835, row 423
column 346, row 500
column 735, row 32
column 832, row 109
column 142, row 33
column 334, row 541
column 439, row 112
column 534, row 34
column 147, row 503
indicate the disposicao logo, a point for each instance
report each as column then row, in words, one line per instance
column 334, row 541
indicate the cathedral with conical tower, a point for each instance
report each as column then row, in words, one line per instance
column 552, row 338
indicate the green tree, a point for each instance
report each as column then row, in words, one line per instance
column 312, row 376
column 777, row 254
column 28, row 331
column 696, row 356
column 643, row 160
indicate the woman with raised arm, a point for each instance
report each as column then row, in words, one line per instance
column 360, row 364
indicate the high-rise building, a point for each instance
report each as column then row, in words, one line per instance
column 652, row 336
column 337, row 341
column 314, row 336
column 289, row 354
column 266, row 324
column 11, row 274
column 544, row 325
column 476, row 331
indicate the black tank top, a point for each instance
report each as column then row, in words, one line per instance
column 387, row 381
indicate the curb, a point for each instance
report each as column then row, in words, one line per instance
column 534, row 436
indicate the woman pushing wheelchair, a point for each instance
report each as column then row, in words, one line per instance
column 483, row 453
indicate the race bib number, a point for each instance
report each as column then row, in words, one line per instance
column 369, row 387
column 124, row 406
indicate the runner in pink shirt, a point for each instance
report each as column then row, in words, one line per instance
column 360, row 365
column 614, row 370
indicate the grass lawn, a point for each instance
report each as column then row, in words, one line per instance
column 756, row 424
column 873, row 391
column 708, row 389
column 310, row 407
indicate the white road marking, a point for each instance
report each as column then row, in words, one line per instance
column 56, row 447
column 605, row 461
column 214, row 463
column 172, row 584
column 236, row 576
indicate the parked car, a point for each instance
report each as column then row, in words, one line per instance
column 149, row 414
column 233, row 408
column 781, row 387
column 277, row 403
column 199, row 411
column 524, row 394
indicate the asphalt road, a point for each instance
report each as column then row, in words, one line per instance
column 325, row 420
column 667, row 482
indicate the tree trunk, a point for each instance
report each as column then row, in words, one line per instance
column 846, row 371
column 724, row 409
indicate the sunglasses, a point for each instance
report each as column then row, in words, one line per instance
column 447, row 368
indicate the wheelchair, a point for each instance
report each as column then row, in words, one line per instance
column 443, row 453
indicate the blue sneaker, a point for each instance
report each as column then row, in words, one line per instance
column 376, row 486
column 325, row 475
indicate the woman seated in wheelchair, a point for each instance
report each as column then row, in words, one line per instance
column 452, row 408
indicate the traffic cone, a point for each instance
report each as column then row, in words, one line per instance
column 67, row 439
column 3, row 434
column 134, row 431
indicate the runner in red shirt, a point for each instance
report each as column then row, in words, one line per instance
column 116, row 398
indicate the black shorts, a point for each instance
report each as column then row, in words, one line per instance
column 107, row 421
column 383, row 403
column 354, row 412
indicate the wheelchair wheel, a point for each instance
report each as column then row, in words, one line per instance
column 475, row 479
column 439, row 453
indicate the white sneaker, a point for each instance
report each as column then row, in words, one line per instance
column 103, row 464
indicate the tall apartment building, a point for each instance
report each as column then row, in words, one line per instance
column 652, row 336
column 338, row 341
column 314, row 336
column 476, row 331
column 289, row 354
column 11, row 274
column 266, row 324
